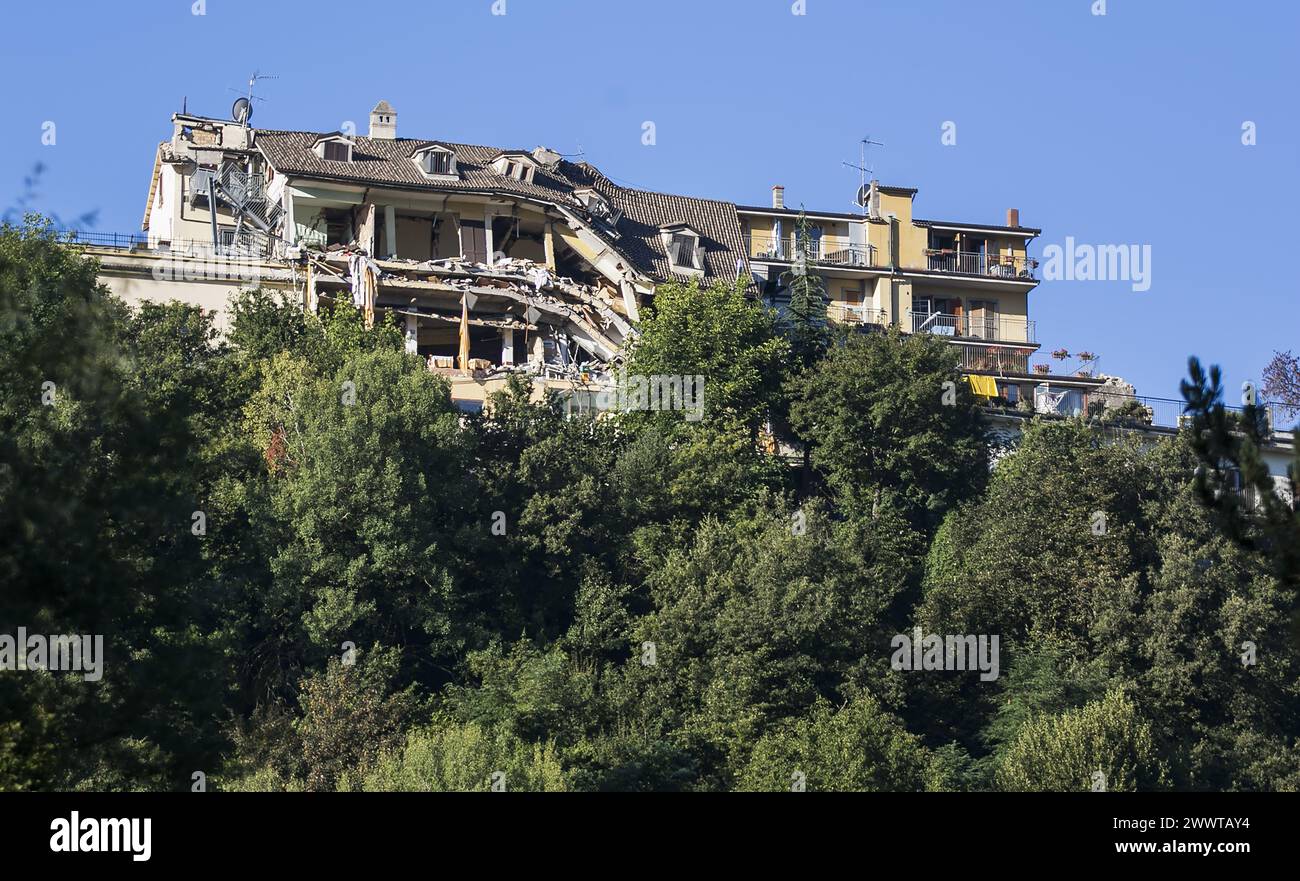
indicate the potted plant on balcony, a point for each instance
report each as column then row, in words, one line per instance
column 1089, row 359
column 1061, row 354
column 1043, row 369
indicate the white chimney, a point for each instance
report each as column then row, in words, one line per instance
column 383, row 121
column 778, row 196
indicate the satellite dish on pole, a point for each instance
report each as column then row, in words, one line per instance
column 864, row 193
column 241, row 110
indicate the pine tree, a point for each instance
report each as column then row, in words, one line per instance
column 806, row 314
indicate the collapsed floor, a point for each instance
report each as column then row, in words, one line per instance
column 515, row 316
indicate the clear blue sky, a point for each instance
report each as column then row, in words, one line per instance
column 1118, row 129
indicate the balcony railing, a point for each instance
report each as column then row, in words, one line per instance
column 996, row 328
column 1140, row 410
column 989, row 265
column 825, row 250
column 989, row 359
column 250, row 244
column 847, row 313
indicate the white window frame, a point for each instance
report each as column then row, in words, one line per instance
column 420, row 160
column 696, row 267
column 319, row 147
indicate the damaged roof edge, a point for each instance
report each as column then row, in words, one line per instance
column 384, row 162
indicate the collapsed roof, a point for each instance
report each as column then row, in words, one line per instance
column 387, row 161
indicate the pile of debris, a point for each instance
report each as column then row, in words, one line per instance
column 576, row 319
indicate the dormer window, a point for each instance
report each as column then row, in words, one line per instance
column 335, row 148
column 435, row 160
column 519, row 166
column 684, row 247
column 597, row 205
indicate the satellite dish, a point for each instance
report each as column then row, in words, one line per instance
column 241, row 110
column 864, row 192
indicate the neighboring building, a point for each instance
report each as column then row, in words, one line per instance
column 967, row 282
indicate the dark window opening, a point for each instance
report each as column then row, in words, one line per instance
column 684, row 250
column 437, row 162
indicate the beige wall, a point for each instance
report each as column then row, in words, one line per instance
column 211, row 296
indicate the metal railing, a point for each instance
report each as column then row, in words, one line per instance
column 112, row 240
column 1140, row 410
column 988, row 359
column 848, row 313
column 253, row 246
column 841, row 254
column 997, row 328
column 975, row 263
column 825, row 250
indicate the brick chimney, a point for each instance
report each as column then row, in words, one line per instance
column 778, row 196
column 1013, row 217
column 383, row 121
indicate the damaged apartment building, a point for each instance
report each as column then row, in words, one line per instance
column 497, row 261
column 492, row 261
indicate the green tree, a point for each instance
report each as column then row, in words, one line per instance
column 1233, row 479
column 718, row 333
column 451, row 757
column 1067, row 752
column 891, row 425
column 103, row 417
column 805, row 321
column 857, row 748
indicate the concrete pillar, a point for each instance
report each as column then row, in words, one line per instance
column 412, row 334
column 550, row 245
column 507, row 345
column 390, row 229
column 290, row 227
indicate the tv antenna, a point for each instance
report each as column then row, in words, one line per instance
column 242, row 110
column 863, row 169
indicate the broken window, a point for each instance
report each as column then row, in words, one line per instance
column 338, row 225
column 517, row 168
column 683, row 249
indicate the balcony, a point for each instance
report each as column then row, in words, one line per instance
column 1013, row 267
column 994, row 328
column 247, row 244
column 827, row 250
column 847, row 313
column 986, row 359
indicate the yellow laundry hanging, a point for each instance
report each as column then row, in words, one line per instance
column 370, row 286
column 464, row 334
column 983, row 386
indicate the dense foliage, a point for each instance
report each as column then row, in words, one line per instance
column 389, row 594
